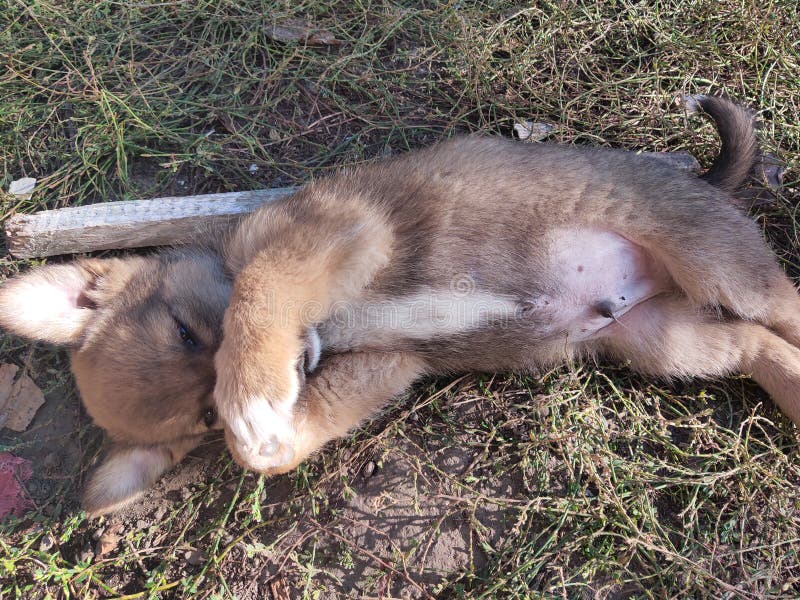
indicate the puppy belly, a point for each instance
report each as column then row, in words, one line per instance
column 596, row 276
column 588, row 278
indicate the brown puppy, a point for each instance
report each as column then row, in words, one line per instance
column 474, row 254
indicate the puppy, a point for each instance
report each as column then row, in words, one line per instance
column 475, row 254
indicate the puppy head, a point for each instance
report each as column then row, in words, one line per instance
column 142, row 333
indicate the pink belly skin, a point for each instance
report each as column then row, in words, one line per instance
column 596, row 276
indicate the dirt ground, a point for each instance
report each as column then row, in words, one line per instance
column 586, row 483
column 405, row 499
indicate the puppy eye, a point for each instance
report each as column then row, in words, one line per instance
column 210, row 417
column 186, row 337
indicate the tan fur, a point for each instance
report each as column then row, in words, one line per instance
column 616, row 256
column 669, row 336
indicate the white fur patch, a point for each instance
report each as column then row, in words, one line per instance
column 314, row 349
column 257, row 424
column 44, row 304
column 421, row 316
column 263, row 430
column 124, row 476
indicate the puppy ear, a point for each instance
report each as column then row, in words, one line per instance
column 56, row 302
column 125, row 474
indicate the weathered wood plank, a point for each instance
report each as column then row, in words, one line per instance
column 128, row 224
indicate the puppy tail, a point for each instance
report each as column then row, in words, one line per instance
column 736, row 126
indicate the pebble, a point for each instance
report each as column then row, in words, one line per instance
column 52, row 461
column 194, row 558
column 86, row 555
column 369, row 469
column 48, row 541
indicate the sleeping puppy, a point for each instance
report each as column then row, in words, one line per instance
column 475, row 254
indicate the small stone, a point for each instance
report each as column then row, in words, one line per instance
column 48, row 541
column 194, row 558
column 160, row 513
column 186, row 493
column 86, row 555
column 369, row 469
column 52, row 461
column 141, row 525
column 98, row 533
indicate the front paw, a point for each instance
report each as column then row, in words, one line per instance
column 258, row 383
column 256, row 405
column 259, row 437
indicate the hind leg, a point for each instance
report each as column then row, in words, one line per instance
column 716, row 256
column 749, row 283
column 667, row 336
column 783, row 310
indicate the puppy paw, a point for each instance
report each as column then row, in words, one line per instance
column 260, row 437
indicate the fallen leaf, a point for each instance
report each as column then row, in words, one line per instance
column 22, row 187
column 86, row 555
column 528, row 131
column 297, row 30
column 14, row 471
column 19, row 400
column 106, row 543
column 7, row 373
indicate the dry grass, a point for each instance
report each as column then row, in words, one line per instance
column 587, row 482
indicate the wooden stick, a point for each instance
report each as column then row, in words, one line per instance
column 157, row 222
column 129, row 223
